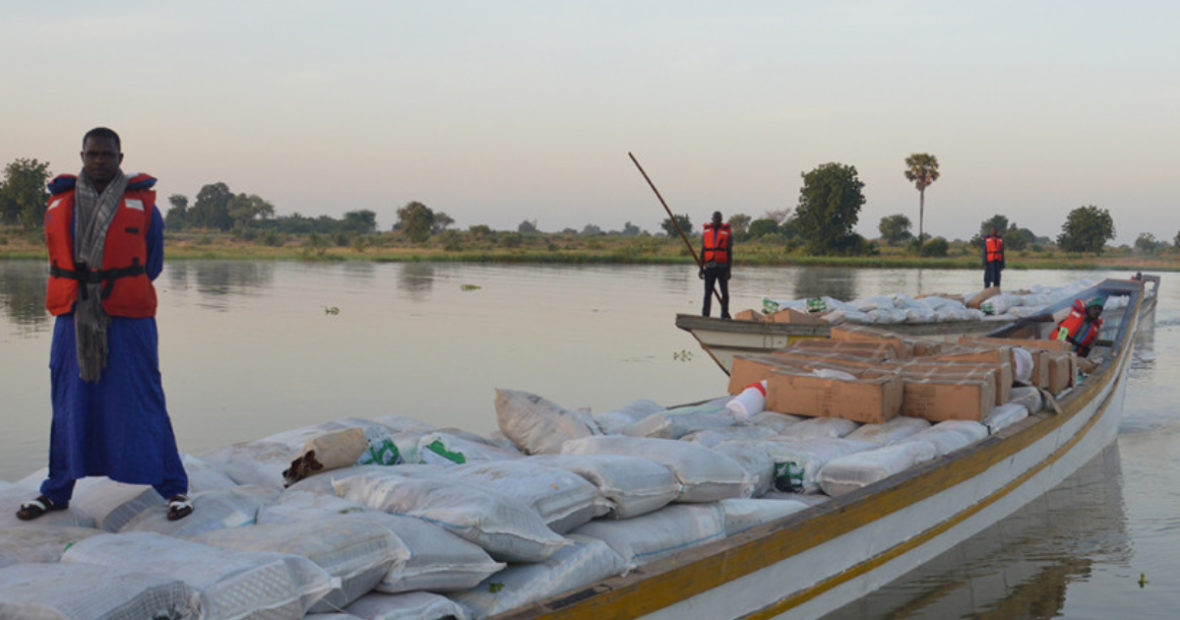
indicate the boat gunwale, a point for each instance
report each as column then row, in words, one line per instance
column 654, row 586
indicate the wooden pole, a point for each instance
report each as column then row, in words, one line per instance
column 683, row 236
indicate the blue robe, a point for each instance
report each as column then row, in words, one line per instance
column 118, row 426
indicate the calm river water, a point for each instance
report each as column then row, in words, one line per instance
column 251, row 348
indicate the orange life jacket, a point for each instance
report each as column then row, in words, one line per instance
column 995, row 248
column 716, row 244
column 126, row 289
column 1072, row 324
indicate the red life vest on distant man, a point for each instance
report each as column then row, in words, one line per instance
column 716, row 244
column 126, row 289
column 995, row 248
column 1075, row 326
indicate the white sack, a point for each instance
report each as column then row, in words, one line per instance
column 356, row 552
column 233, row 584
column 86, row 592
column 758, row 465
column 202, row 476
column 502, row 525
column 798, row 461
column 408, row 606
column 563, row 499
column 675, row 423
column 1004, row 415
column 535, row 424
column 743, row 514
column 112, row 504
column 444, row 448
column 777, row 422
column 212, row 510
column 886, row 433
column 1028, row 396
column 829, row 428
column 298, row 505
column 39, row 543
column 850, row 472
column 659, row 534
column 1023, row 367
column 262, row 461
column 584, row 562
column 706, row 476
column 633, row 485
column 715, row 437
column 950, row 435
column 614, row 421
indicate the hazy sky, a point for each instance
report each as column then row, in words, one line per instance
column 498, row 112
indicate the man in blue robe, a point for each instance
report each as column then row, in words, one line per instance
column 109, row 417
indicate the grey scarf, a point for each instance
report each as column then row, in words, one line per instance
column 93, row 213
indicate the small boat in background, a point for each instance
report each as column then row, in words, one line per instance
column 724, row 338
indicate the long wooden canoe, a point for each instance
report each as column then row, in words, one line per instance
column 724, row 338
column 820, row 559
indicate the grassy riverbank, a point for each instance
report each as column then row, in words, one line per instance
column 511, row 247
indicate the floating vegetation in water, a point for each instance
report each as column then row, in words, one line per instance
column 1143, row 579
column 683, row 355
column 469, row 287
column 331, row 310
column 495, row 587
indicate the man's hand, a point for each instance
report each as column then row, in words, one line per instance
column 701, row 274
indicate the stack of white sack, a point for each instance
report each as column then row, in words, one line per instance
column 537, row 425
column 232, row 584
column 633, row 485
column 357, row 553
column 508, row 529
column 584, row 562
column 263, row 461
column 900, row 308
column 850, row 472
column 614, row 421
column 705, row 475
column 798, row 461
column 661, row 533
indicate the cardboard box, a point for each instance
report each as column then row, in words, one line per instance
column 870, row 400
column 748, row 315
column 1061, row 371
column 1000, row 357
column 748, row 369
column 811, row 357
column 983, row 296
column 938, row 398
column 860, row 333
column 963, row 368
column 859, row 348
column 788, row 315
column 1029, row 344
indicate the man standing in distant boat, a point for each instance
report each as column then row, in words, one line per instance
column 716, row 259
column 105, row 238
column 993, row 259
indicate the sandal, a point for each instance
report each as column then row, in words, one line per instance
column 31, row 510
column 179, row 507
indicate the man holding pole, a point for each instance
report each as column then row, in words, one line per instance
column 716, row 259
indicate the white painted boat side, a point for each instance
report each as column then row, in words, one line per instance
column 864, row 546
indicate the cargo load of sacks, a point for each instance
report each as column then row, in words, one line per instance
column 395, row 517
column 987, row 304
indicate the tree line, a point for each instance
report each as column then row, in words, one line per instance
column 821, row 223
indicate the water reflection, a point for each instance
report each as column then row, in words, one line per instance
column 416, row 279
column 1021, row 566
column 836, row 282
column 214, row 280
column 22, row 295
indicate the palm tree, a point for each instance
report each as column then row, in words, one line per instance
column 922, row 169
